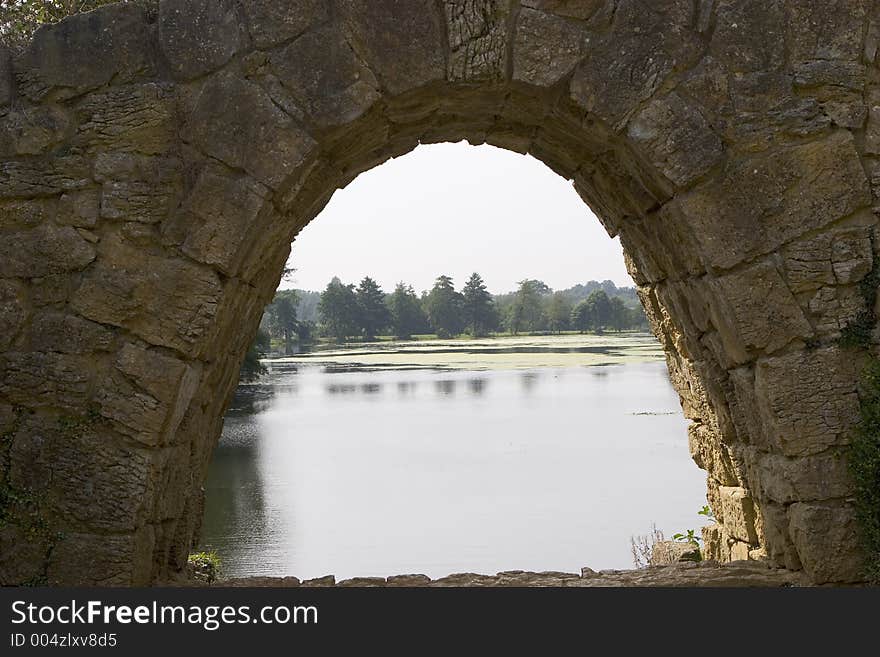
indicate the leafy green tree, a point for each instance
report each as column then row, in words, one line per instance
column 444, row 308
column 338, row 309
column 582, row 317
column 526, row 312
column 407, row 316
column 558, row 312
column 619, row 315
column 600, row 309
column 19, row 19
column 252, row 368
column 282, row 317
column 477, row 306
column 373, row 315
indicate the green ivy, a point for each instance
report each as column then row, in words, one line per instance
column 864, row 466
column 858, row 332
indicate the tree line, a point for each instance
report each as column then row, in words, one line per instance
column 345, row 312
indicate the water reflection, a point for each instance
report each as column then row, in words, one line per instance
column 529, row 380
column 445, row 387
column 543, row 469
column 477, row 386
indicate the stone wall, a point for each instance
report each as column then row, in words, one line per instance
column 155, row 164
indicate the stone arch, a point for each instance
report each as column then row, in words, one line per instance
column 156, row 161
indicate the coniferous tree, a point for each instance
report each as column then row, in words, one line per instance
column 478, row 309
column 407, row 316
column 372, row 313
column 282, row 317
column 444, row 308
column 338, row 310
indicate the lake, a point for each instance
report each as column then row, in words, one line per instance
column 456, row 456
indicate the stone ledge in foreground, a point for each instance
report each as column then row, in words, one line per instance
column 702, row 574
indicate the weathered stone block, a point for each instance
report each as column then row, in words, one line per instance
column 749, row 35
column 43, row 177
column 764, row 201
column 33, row 130
column 806, row 402
column 581, row 9
column 120, row 289
column 754, row 311
column 120, row 560
column 13, row 312
column 546, row 48
column 677, row 138
column 401, row 40
column 236, row 122
column 86, row 51
column 710, row 454
column 138, row 118
column 832, row 29
column 198, row 36
column 326, row 77
column 832, row 309
column 839, row 88
column 785, row 480
column 626, row 66
column 139, row 188
column 738, row 512
column 872, row 129
column 147, row 393
column 217, row 218
column 477, row 32
column 667, row 552
column 22, row 556
column 773, row 532
column 79, row 209
column 828, row 541
column 274, row 21
column 838, row 257
column 45, row 379
column 68, row 334
column 43, row 250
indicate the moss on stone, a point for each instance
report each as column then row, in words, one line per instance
column 864, row 466
column 858, row 332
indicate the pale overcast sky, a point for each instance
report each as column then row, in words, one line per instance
column 454, row 209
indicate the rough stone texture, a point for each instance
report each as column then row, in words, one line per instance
column 155, row 167
column 70, row 58
column 325, row 77
column 401, row 40
column 198, row 36
column 269, row 146
column 546, row 49
column 706, row 573
column 274, row 21
column 764, row 201
column 666, row 552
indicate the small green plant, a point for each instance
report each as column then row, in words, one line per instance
column 707, row 513
column 204, row 566
column 690, row 537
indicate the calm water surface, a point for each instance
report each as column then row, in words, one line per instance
column 361, row 471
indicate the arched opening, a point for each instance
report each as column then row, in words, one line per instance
column 154, row 173
column 542, row 451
